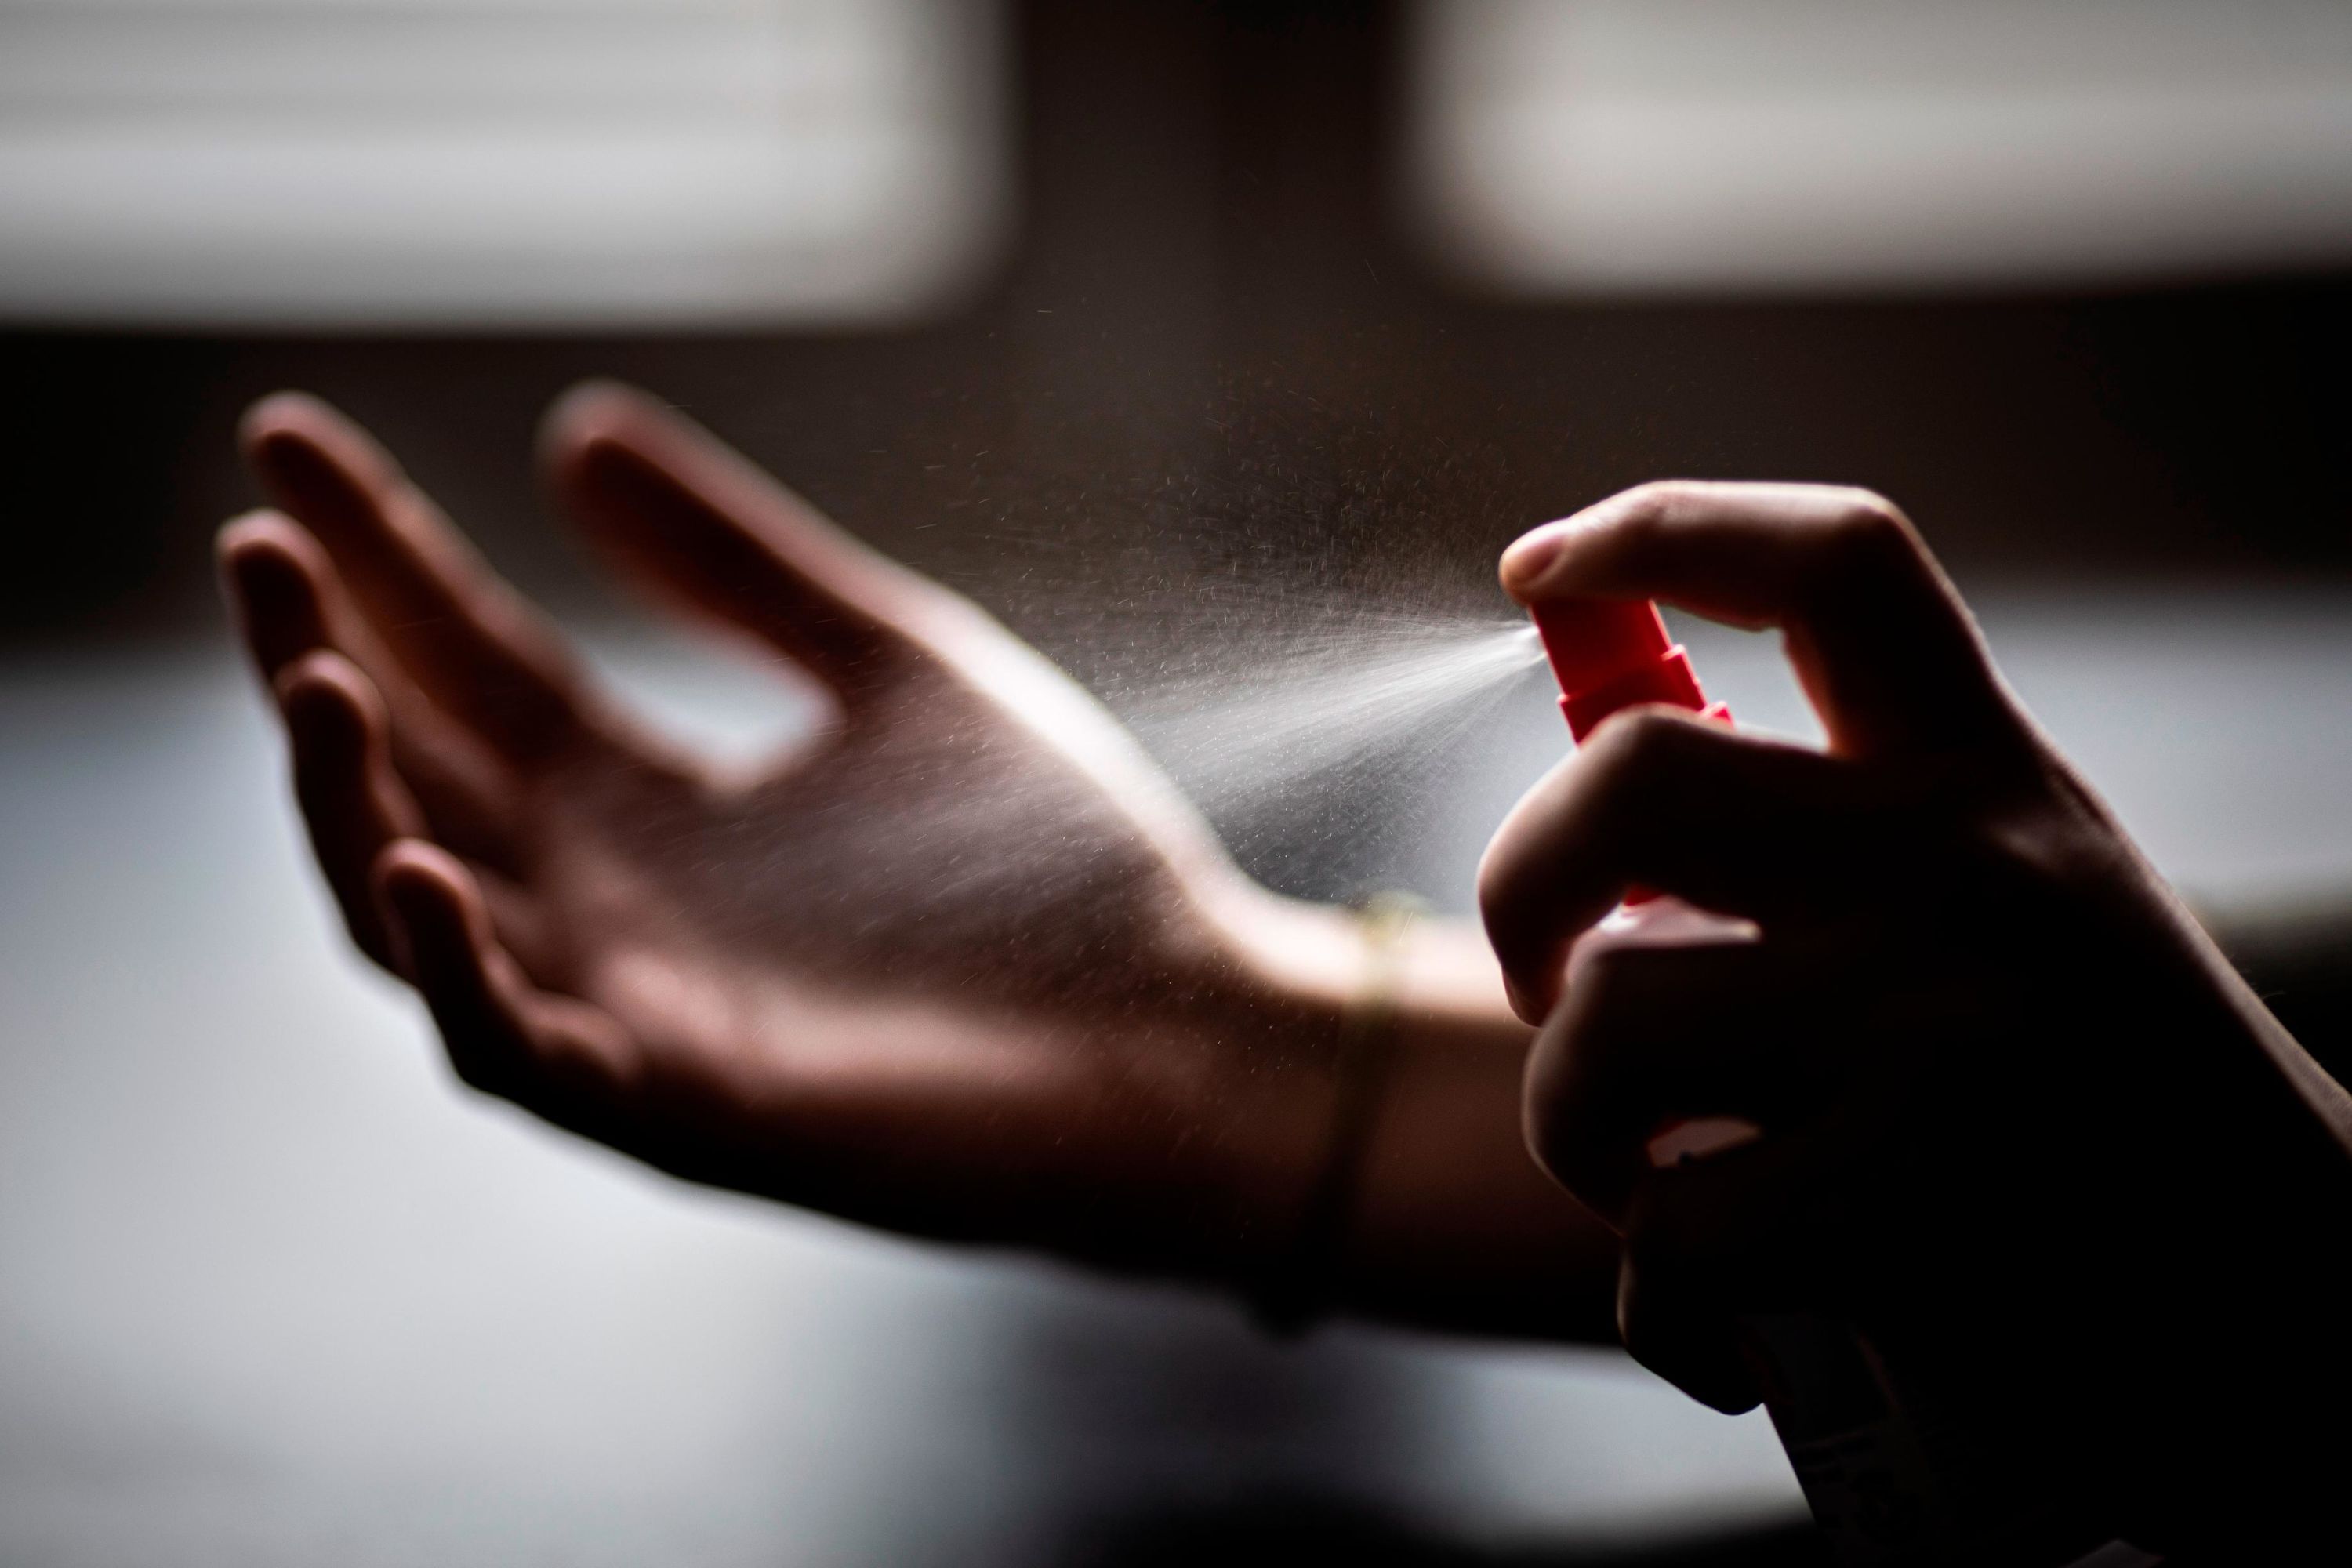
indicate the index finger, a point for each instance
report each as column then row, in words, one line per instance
column 1735, row 823
column 476, row 645
column 701, row 522
column 1887, row 653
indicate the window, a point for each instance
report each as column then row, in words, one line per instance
column 1644, row 146
column 464, row 163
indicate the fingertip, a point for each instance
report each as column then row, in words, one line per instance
column 302, row 447
column 427, row 899
column 1530, row 559
column 262, row 538
column 591, row 465
column 1588, row 551
column 253, row 529
column 1528, row 1003
column 282, row 416
column 250, row 560
column 420, row 873
column 586, row 467
column 287, row 459
column 619, row 477
column 324, row 696
column 593, row 422
column 270, row 411
column 1560, row 556
column 503, row 1037
column 313, row 681
column 271, row 572
column 597, row 403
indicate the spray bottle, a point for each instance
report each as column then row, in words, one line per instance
column 1897, row 1465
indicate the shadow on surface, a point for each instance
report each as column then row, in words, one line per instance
column 1289, row 1528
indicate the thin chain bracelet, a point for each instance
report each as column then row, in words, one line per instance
column 1296, row 1286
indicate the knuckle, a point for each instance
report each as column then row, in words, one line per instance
column 1577, row 1061
column 1635, row 748
column 1866, row 514
column 1655, row 503
column 1554, row 1149
column 1502, row 913
column 1554, row 1089
column 1554, row 1136
column 2014, row 824
column 1539, row 1121
column 2028, row 856
column 1865, row 536
column 1510, row 868
column 1636, row 516
column 1671, row 1239
column 1610, row 984
column 1497, row 871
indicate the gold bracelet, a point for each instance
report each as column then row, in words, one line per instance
column 1295, row 1287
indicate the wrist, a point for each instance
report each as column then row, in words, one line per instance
column 1311, row 961
column 1288, row 976
column 1396, row 1183
column 1305, row 1277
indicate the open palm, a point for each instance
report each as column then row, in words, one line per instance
column 959, row 961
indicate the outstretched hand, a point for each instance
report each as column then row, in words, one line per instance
column 2017, row 1112
column 959, row 961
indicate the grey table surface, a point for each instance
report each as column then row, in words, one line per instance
column 274, row 1290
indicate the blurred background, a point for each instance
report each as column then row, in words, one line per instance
column 1072, row 305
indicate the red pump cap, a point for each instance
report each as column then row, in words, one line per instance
column 1610, row 654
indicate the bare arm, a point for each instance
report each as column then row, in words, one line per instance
column 959, row 962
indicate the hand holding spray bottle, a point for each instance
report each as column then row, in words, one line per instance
column 1896, row 1465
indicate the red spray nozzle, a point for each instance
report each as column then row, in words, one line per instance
column 1610, row 654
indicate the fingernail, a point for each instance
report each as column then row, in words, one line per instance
column 1525, row 562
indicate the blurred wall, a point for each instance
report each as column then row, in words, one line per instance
column 1210, row 342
